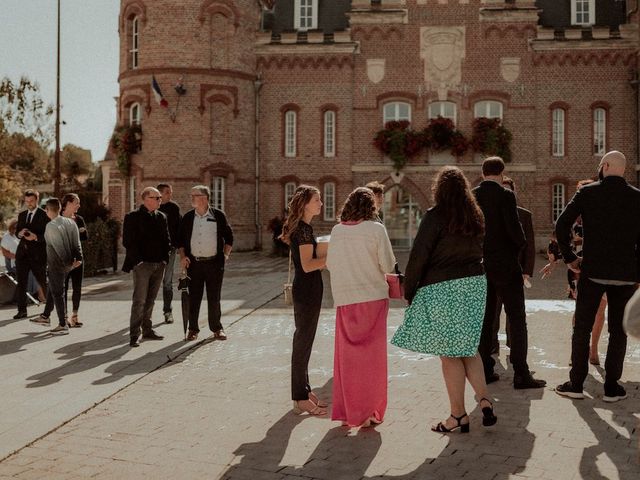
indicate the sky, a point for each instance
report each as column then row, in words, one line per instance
column 88, row 62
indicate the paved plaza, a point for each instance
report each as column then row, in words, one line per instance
column 87, row 406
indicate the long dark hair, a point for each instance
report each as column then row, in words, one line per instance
column 452, row 193
column 68, row 198
column 360, row 205
column 301, row 197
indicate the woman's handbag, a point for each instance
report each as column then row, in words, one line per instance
column 288, row 287
column 396, row 283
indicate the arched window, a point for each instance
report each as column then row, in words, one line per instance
column 290, row 133
column 599, row 131
column 289, row 190
column 135, row 114
column 443, row 109
column 217, row 193
column 396, row 111
column 135, row 41
column 557, row 200
column 583, row 12
column 329, row 200
column 305, row 14
column 329, row 133
column 488, row 109
column 558, row 132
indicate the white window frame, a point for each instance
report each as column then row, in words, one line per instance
column 577, row 18
column 557, row 200
column 329, row 125
column 438, row 109
column 329, row 201
column 599, row 131
column 217, row 192
column 391, row 112
column 483, row 109
column 558, row 129
column 135, row 42
column 135, row 114
column 289, row 191
column 290, row 133
column 305, row 22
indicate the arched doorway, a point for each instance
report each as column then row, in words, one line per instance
column 401, row 215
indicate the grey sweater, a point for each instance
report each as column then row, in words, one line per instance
column 63, row 244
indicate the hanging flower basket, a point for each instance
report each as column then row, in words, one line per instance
column 441, row 134
column 490, row 137
column 126, row 141
column 399, row 142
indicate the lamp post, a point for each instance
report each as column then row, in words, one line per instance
column 56, row 159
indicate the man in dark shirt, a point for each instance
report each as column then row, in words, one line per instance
column 172, row 210
column 503, row 241
column 145, row 235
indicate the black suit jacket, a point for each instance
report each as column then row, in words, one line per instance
column 504, row 237
column 224, row 236
column 528, row 253
column 36, row 249
column 610, row 211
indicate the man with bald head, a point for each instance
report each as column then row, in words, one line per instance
column 145, row 235
column 610, row 264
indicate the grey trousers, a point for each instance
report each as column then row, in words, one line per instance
column 167, row 283
column 147, row 278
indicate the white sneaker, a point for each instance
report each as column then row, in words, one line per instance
column 60, row 330
column 168, row 317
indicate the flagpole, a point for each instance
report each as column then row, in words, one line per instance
column 56, row 175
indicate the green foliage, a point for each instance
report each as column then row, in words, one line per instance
column 75, row 162
column 399, row 142
column 441, row 134
column 490, row 137
column 100, row 251
column 23, row 110
column 126, row 141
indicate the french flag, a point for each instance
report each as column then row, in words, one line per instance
column 158, row 93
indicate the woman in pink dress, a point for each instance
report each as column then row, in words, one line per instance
column 359, row 255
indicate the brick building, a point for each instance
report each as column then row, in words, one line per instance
column 278, row 93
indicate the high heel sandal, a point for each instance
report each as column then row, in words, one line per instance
column 316, row 410
column 488, row 417
column 314, row 398
column 464, row 427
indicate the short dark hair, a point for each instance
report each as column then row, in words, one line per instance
column 32, row 193
column 68, row 198
column 162, row 186
column 53, row 204
column 376, row 187
column 492, row 166
column 509, row 181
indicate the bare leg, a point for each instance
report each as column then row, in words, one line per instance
column 597, row 331
column 475, row 374
column 454, row 378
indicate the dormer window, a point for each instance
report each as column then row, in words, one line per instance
column 583, row 12
column 306, row 15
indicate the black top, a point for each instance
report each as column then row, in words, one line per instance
column 32, row 248
column 307, row 286
column 504, row 237
column 610, row 211
column 146, row 237
column 172, row 211
column 84, row 235
column 224, row 232
column 528, row 253
column 438, row 256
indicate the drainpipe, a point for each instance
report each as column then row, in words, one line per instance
column 635, row 84
column 257, row 84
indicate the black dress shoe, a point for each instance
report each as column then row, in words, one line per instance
column 491, row 377
column 152, row 336
column 134, row 343
column 20, row 315
column 523, row 382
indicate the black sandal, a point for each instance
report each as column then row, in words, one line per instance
column 464, row 427
column 488, row 417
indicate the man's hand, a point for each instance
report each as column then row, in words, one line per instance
column 76, row 264
column 575, row 265
column 185, row 262
column 547, row 269
column 526, row 280
column 29, row 235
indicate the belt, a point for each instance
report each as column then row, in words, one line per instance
column 204, row 259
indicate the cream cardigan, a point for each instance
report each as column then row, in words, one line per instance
column 358, row 257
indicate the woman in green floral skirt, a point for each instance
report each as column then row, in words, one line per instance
column 446, row 290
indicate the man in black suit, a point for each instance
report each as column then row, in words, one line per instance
column 527, row 263
column 206, row 240
column 31, row 254
column 610, row 264
column 503, row 241
column 145, row 235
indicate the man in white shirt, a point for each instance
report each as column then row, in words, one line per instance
column 205, row 242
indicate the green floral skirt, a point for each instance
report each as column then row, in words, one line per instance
column 445, row 318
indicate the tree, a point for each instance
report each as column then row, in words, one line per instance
column 76, row 162
column 23, row 110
